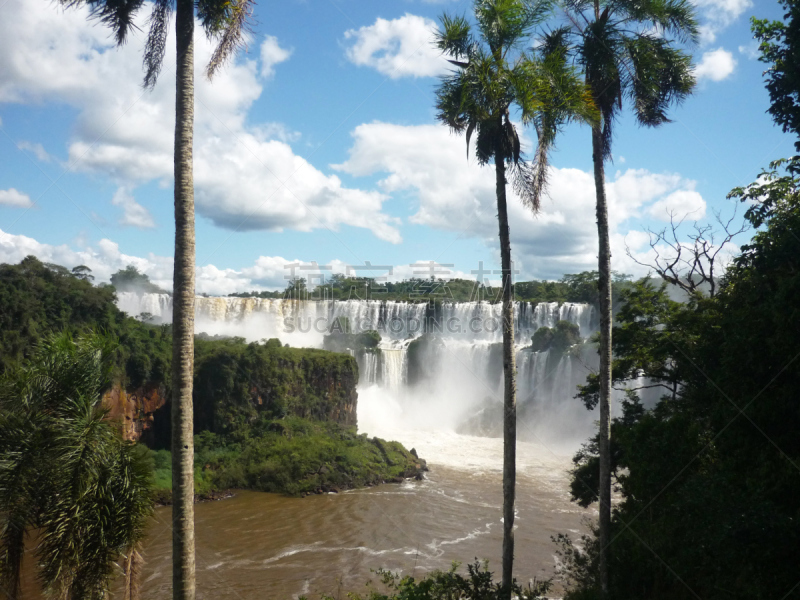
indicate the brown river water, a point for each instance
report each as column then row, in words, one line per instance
column 257, row 545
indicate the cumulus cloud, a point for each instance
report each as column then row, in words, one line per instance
column 246, row 177
column 104, row 259
column 715, row 65
column 454, row 194
column 271, row 55
column 133, row 213
column 681, row 204
column 265, row 273
column 401, row 47
column 12, row 197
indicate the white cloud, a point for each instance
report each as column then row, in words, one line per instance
column 36, row 149
column 133, row 213
column 266, row 273
column 715, row 65
column 12, row 197
column 454, row 194
column 402, row 47
column 271, row 55
column 246, row 176
column 724, row 10
column 717, row 15
column 680, row 204
column 105, row 258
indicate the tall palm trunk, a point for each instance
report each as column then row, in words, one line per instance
column 509, row 368
column 604, row 285
column 183, row 568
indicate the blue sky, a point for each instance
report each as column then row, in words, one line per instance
column 320, row 144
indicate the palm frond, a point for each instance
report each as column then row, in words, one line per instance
column 470, row 129
column 511, row 139
column 66, row 471
column 455, row 37
column 229, row 21
column 485, row 145
column 662, row 76
column 676, row 18
column 554, row 43
column 12, row 549
column 156, row 45
column 505, row 23
column 118, row 15
column 529, row 181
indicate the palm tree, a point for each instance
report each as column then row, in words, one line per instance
column 627, row 49
column 227, row 21
column 67, row 472
column 495, row 76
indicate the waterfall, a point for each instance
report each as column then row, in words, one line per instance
column 368, row 368
column 461, row 363
column 393, row 372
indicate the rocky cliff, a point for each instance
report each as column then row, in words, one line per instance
column 135, row 410
column 237, row 384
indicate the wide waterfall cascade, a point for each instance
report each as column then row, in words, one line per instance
column 441, row 363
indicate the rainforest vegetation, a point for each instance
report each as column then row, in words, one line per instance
column 705, row 479
column 267, row 417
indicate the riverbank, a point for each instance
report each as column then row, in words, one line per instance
column 294, row 457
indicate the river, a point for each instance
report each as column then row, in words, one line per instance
column 258, row 545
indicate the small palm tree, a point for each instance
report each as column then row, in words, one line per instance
column 67, row 473
column 494, row 77
column 226, row 21
column 627, row 50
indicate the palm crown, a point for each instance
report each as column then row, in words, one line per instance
column 496, row 76
column 224, row 20
column 627, row 49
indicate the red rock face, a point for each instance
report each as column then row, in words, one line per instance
column 133, row 409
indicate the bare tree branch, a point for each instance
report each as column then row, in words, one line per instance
column 695, row 264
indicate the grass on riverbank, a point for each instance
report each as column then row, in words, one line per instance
column 291, row 456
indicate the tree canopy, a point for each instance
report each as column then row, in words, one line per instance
column 708, row 475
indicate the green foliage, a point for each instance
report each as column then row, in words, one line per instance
column 341, row 340
column 648, row 327
column 780, row 49
column 66, row 472
column 292, row 456
column 580, row 287
column 449, row 585
column 707, row 476
column 130, row 279
column 237, row 383
column 38, row 298
column 542, row 339
column 558, row 339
